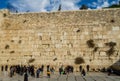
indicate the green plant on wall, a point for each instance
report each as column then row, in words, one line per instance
column 7, row 47
column 79, row 60
column 95, row 49
column 90, row 43
column 111, row 44
column 111, row 49
column 110, row 52
column 31, row 60
column 54, row 59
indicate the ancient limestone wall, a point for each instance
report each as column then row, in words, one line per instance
column 57, row 38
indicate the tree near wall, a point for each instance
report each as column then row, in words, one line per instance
column 114, row 6
column 83, row 7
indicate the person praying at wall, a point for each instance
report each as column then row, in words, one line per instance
column 2, row 68
column 80, row 68
column 6, row 68
column 83, row 73
column 48, row 67
column 87, row 67
column 42, row 69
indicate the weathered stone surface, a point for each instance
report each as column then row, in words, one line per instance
column 61, row 35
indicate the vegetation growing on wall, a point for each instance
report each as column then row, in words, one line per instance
column 12, row 40
column 90, row 43
column 111, row 44
column 24, row 21
column 79, row 60
column 7, row 47
column 8, row 60
column 78, row 30
column 12, row 51
column 4, row 15
column 95, row 49
column 112, row 21
column 54, row 59
column 19, row 41
column 31, row 60
column 111, row 49
column 114, row 6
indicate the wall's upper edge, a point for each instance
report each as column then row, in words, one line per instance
column 6, row 10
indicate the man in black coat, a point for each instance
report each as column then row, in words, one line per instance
column 25, row 76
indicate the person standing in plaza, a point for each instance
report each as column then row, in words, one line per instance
column 52, row 70
column 11, row 71
column 26, row 76
column 60, row 70
column 48, row 74
column 38, row 72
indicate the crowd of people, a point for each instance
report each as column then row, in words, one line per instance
column 36, row 72
column 21, row 69
column 30, row 70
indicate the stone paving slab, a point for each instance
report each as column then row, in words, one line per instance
column 97, row 78
column 78, row 78
column 62, row 78
column 116, row 78
column 88, row 78
column 70, row 77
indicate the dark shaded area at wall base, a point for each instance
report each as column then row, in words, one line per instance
column 117, row 72
column 116, row 67
column 113, row 69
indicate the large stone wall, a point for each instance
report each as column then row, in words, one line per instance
column 61, row 35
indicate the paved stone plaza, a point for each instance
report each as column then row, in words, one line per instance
column 92, row 76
